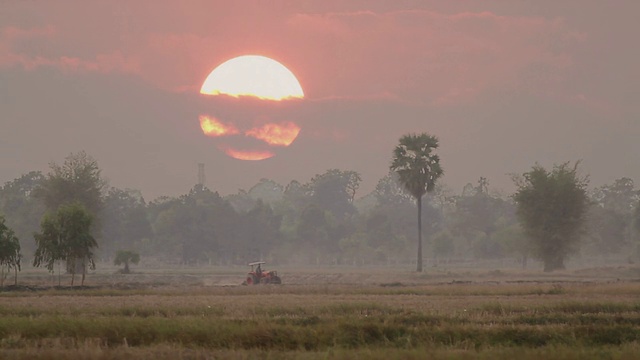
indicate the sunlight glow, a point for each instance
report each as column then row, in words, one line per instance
column 212, row 127
column 248, row 155
column 276, row 134
column 253, row 75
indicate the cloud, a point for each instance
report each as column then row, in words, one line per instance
column 11, row 38
column 440, row 58
column 419, row 55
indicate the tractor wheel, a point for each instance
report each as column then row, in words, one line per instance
column 249, row 280
column 276, row 280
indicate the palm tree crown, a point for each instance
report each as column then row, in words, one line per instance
column 417, row 166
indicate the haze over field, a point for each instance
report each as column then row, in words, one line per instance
column 502, row 84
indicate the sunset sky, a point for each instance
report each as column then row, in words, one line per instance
column 503, row 84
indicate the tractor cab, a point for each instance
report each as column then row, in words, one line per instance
column 258, row 275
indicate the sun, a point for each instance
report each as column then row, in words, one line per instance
column 253, row 75
column 256, row 134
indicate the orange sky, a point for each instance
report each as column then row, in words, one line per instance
column 503, row 84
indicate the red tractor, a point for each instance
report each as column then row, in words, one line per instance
column 259, row 276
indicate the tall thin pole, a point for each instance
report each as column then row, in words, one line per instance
column 201, row 177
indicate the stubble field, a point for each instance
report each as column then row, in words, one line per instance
column 326, row 313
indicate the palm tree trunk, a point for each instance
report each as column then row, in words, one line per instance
column 419, row 266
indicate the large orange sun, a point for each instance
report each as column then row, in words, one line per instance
column 258, row 77
column 253, row 75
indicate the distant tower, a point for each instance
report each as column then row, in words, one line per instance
column 201, row 178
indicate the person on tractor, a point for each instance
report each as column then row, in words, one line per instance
column 259, row 272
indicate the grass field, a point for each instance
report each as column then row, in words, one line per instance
column 326, row 313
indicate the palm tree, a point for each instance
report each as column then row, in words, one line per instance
column 418, row 168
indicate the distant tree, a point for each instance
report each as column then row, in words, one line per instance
column 334, row 191
column 390, row 191
column 297, row 195
column 295, row 198
column 260, row 230
column 241, row 201
column 196, row 225
column 355, row 249
column 49, row 249
column 608, row 230
column 80, row 240
column 619, row 196
column 636, row 217
column 552, row 208
column 124, row 219
column 66, row 236
column 390, row 222
column 611, row 216
column 636, row 225
column 313, row 228
column 418, row 169
column 21, row 209
column 443, row 245
column 9, row 252
column 477, row 216
column 267, row 190
column 513, row 241
column 78, row 179
column 124, row 257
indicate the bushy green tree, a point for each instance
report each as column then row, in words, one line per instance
column 552, row 208
column 418, row 169
column 124, row 257
column 65, row 235
column 9, row 252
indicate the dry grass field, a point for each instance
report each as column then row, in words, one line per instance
column 331, row 313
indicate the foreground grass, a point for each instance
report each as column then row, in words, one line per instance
column 92, row 352
column 562, row 321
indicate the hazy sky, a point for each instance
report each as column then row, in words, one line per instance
column 503, row 84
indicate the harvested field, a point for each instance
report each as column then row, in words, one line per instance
column 325, row 313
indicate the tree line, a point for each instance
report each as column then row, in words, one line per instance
column 70, row 217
